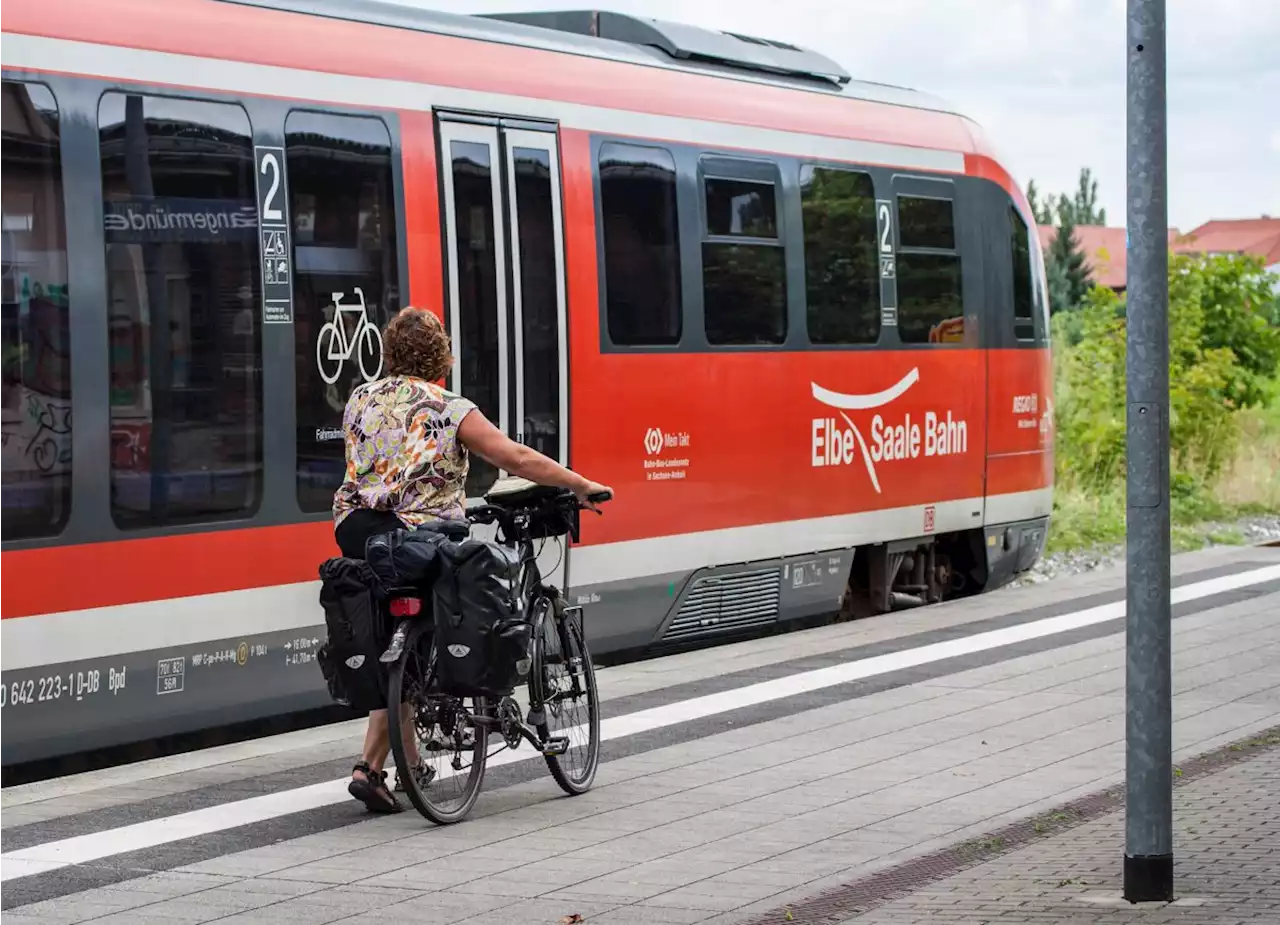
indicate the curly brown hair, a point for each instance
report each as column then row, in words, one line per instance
column 414, row 343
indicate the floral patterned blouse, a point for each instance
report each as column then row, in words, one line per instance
column 403, row 453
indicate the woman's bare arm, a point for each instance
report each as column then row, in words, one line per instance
column 479, row 436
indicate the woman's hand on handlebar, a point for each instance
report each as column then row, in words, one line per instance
column 591, row 493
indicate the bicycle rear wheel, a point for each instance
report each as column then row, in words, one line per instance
column 563, row 680
column 442, row 776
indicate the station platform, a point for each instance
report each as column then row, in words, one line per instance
column 840, row 774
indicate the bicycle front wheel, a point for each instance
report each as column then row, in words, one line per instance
column 329, row 358
column 440, row 752
column 563, row 680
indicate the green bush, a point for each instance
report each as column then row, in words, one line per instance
column 1223, row 356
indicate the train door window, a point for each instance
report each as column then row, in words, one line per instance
column 930, row 300
column 1024, row 326
column 35, row 332
column 538, row 290
column 184, row 299
column 744, row 289
column 841, row 270
column 641, row 245
column 479, row 312
column 341, row 200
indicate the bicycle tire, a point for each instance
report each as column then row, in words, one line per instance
column 371, row 334
column 479, row 752
column 322, row 352
column 567, row 633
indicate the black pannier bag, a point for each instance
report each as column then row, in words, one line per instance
column 357, row 635
column 482, row 635
column 409, row 558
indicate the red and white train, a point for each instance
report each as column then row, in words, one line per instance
column 797, row 321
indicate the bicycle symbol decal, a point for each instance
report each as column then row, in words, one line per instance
column 333, row 345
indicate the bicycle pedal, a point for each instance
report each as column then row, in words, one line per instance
column 556, row 745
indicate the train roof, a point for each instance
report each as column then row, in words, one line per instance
column 629, row 39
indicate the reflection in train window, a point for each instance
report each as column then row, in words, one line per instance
column 925, row 222
column 1024, row 326
column 930, row 299
column 344, row 247
column 740, row 208
column 539, row 300
column 841, row 269
column 472, row 167
column 930, row 306
column 744, row 282
column 744, row 293
column 36, row 353
column 184, row 302
column 641, row 245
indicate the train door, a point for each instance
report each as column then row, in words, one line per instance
column 504, row 242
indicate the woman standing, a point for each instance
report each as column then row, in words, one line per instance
column 408, row 448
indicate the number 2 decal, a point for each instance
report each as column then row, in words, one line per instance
column 886, row 228
column 270, row 212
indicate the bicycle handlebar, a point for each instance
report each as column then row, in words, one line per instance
column 497, row 512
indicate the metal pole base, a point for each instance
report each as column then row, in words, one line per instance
column 1148, row 878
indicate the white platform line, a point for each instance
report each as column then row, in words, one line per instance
column 83, row 849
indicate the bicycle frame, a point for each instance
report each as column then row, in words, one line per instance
column 531, row 590
column 345, row 345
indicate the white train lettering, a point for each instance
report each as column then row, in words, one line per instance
column 945, row 437
column 832, row 444
column 894, row 441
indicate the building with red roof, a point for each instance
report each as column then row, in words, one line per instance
column 1104, row 251
column 1106, row 256
column 1257, row 236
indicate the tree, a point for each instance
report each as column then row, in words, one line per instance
column 1082, row 209
column 1068, row 275
column 1066, row 268
column 1042, row 212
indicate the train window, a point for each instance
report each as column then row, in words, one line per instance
column 37, row 359
column 925, row 223
column 184, row 301
column 744, row 293
column 1024, row 327
column 540, row 300
column 741, row 208
column 930, row 299
column 1038, row 289
column 744, row 286
column 478, row 309
column 342, row 208
column 641, row 245
column 842, row 276
column 930, row 306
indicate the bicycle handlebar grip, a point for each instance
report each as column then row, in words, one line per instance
column 600, row 496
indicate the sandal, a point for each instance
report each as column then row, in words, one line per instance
column 424, row 774
column 372, row 791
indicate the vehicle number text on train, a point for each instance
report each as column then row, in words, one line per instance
column 74, row 685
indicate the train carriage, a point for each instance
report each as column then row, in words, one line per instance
column 797, row 321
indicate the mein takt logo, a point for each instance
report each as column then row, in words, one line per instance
column 840, row 441
column 653, row 441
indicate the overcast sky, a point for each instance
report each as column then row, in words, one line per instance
column 1046, row 78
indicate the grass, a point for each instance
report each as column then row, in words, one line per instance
column 1088, row 521
column 1091, row 518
